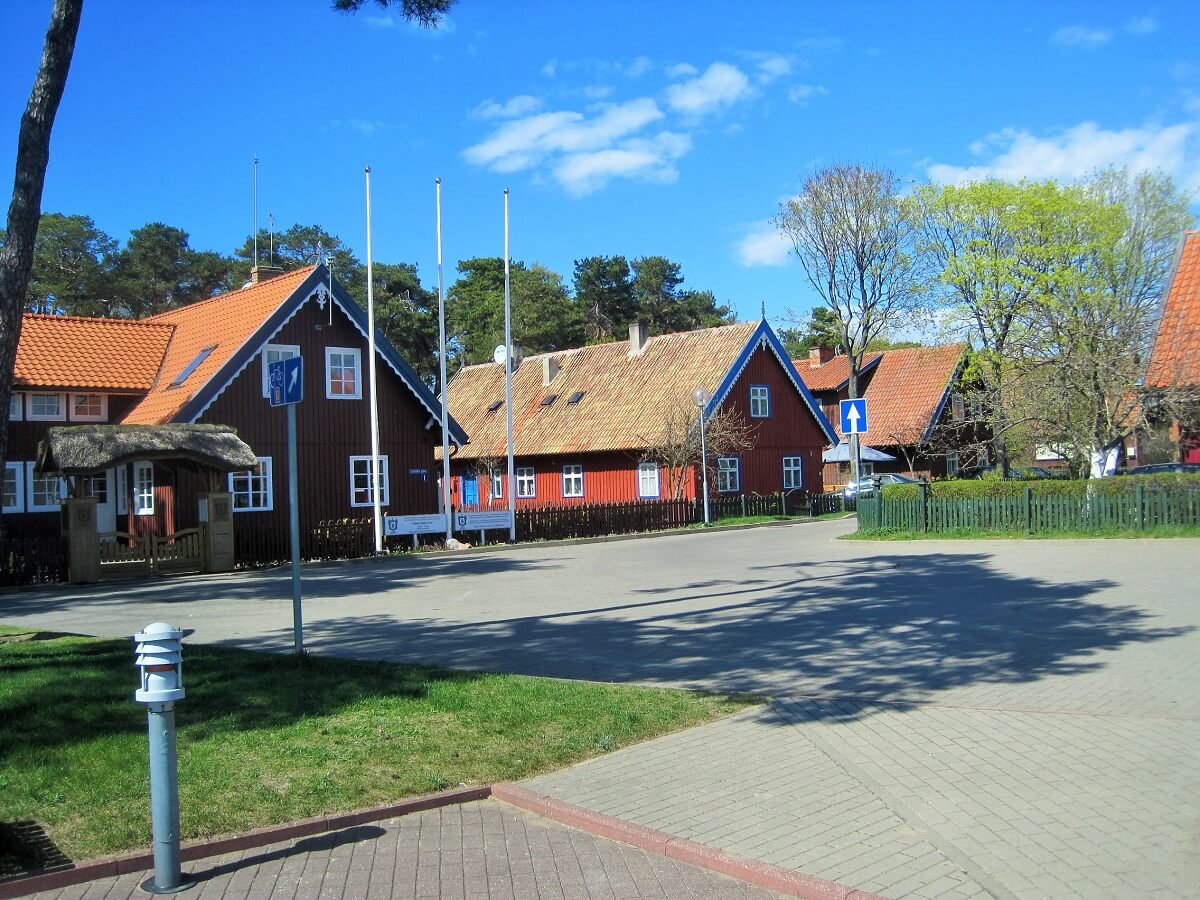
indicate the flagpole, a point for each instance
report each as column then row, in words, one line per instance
column 442, row 371
column 375, row 479
column 508, row 368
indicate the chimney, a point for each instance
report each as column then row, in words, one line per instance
column 260, row 273
column 638, row 335
column 818, row 356
column 549, row 369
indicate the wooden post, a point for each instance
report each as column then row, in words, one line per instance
column 1027, row 509
column 1138, row 499
column 923, row 490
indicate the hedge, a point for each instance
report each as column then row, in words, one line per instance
column 1118, row 484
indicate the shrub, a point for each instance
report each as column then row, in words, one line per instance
column 1119, row 484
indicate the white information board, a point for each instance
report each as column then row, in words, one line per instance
column 430, row 524
column 482, row 521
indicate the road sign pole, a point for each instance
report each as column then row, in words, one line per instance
column 856, row 474
column 294, row 529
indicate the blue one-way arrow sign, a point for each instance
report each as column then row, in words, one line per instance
column 854, row 416
column 286, row 381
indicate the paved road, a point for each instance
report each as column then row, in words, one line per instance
column 1017, row 719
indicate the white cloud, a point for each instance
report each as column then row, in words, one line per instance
column 682, row 70
column 720, row 85
column 381, row 21
column 550, row 69
column 771, row 67
column 1079, row 150
column 597, row 91
column 764, row 246
column 1141, row 25
column 802, row 93
column 644, row 159
column 521, row 105
column 1081, row 36
column 365, row 127
column 639, row 66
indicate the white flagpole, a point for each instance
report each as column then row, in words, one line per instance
column 442, row 372
column 375, row 479
column 508, row 367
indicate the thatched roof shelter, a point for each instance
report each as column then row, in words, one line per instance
column 88, row 449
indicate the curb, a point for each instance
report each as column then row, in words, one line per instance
column 774, row 878
column 112, row 866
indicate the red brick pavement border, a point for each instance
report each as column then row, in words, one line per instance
column 774, row 878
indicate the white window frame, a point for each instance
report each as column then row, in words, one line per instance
column 31, row 493
column 122, row 489
column 760, row 400
column 143, row 488
column 346, row 351
column 87, row 487
column 365, row 469
column 649, row 485
column 958, row 407
column 255, row 483
column 729, row 474
column 526, row 483
column 16, row 471
column 952, row 464
column 61, row 416
column 272, row 353
column 16, row 407
column 498, row 479
column 572, row 481
column 76, row 416
column 795, row 469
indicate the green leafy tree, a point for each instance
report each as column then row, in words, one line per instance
column 821, row 330
column 157, row 270
column 408, row 315
column 73, row 264
column 664, row 304
column 544, row 317
column 299, row 246
column 604, row 292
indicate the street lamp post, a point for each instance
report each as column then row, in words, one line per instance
column 700, row 398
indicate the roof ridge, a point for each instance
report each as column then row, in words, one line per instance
column 102, row 320
column 304, row 271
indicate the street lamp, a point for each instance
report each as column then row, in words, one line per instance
column 700, row 398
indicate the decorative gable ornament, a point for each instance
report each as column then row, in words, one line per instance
column 322, row 294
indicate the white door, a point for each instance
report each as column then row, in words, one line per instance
column 101, row 486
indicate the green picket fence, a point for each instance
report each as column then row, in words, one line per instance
column 1033, row 513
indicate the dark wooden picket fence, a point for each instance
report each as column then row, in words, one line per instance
column 332, row 539
column 1134, row 510
column 32, row 560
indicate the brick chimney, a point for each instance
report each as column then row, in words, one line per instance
column 639, row 333
column 260, row 273
column 550, row 368
column 818, row 356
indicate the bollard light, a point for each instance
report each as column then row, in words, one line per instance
column 159, row 658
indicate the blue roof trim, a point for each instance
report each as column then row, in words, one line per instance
column 871, row 364
column 764, row 335
column 941, row 404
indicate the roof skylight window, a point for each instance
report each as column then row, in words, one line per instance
column 192, row 366
column 548, row 399
column 576, row 397
column 495, row 405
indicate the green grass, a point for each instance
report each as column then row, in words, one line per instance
column 962, row 534
column 759, row 520
column 269, row 738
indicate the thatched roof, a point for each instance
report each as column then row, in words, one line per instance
column 87, row 449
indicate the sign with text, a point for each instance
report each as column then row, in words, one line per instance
column 482, row 521
column 430, row 524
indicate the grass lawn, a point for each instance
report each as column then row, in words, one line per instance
column 759, row 520
column 900, row 534
column 267, row 738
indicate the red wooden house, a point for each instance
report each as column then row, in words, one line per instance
column 1174, row 368
column 207, row 363
column 585, row 420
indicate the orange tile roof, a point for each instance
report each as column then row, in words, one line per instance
column 101, row 354
column 903, row 393
column 224, row 323
column 1175, row 360
column 832, row 375
column 625, row 402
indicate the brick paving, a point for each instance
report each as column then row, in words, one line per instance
column 483, row 849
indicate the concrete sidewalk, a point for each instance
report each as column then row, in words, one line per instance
column 484, row 849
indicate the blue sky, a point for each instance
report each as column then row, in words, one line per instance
column 628, row 128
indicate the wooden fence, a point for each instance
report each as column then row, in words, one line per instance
column 125, row 554
column 32, row 560
column 1032, row 513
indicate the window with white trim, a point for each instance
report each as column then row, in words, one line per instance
column 96, row 487
column 760, row 401
column 958, row 409
column 648, row 485
column 793, row 473
column 526, row 483
column 498, row 484
column 343, row 373
column 43, row 491
column 273, row 353
column 143, row 488
column 16, row 405
column 729, row 474
column 572, row 480
column 252, row 489
column 952, row 465
column 89, row 407
column 122, row 490
column 45, row 407
column 14, row 487
column 362, row 481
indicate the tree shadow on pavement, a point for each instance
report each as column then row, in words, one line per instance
column 900, row 629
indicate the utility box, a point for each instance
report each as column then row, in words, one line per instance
column 83, row 540
column 216, row 511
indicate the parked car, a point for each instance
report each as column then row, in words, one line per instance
column 1159, row 468
column 865, row 486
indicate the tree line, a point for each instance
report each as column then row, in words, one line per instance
column 1056, row 288
column 80, row 270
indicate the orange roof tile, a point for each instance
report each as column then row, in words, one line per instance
column 625, row 402
column 832, row 375
column 1175, row 360
column 101, row 354
column 224, row 323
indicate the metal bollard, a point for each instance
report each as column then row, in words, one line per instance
column 160, row 660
